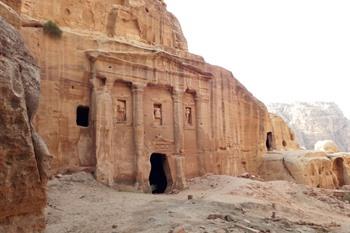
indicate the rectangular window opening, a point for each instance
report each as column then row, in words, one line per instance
column 82, row 118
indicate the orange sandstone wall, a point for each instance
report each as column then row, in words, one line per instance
column 9, row 14
column 14, row 4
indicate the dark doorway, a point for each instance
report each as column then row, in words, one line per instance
column 269, row 141
column 157, row 177
column 338, row 168
column 83, row 116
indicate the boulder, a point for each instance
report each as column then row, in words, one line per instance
column 327, row 146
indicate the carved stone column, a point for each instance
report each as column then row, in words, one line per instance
column 103, row 125
column 179, row 138
column 139, row 131
column 200, row 132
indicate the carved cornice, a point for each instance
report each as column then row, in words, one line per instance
column 128, row 58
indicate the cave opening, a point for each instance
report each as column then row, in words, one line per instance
column 338, row 168
column 284, row 143
column 158, row 177
column 269, row 141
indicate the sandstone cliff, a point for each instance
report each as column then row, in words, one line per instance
column 23, row 155
column 313, row 122
column 125, row 65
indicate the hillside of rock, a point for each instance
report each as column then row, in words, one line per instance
column 313, row 122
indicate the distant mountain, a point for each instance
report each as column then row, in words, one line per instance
column 313, row 122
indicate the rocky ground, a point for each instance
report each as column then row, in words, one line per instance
column 77, row 203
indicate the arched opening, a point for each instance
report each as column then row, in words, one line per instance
column 269, row 141
column 338, row 168
column 158, row 175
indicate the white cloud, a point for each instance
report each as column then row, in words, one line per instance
column 282, row 50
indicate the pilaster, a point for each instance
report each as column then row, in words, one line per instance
column 139, row 131
column 200, row 132
column 103, row 111
column 177, row 96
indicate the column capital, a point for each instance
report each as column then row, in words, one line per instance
column 177, row 94
column 93, row 83
column 138, row 87
column 199, row 97
column 177, row 91
column 108, row 85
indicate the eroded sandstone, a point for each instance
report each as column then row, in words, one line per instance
column 314, row 168
column 281, row 137
column 23, row 155
column 324, row 167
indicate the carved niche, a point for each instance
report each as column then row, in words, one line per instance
column 122, row 21
column 121, row 111
column 188, row 116
column 157, row 114
column 112, row 21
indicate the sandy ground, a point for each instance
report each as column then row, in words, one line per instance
column 77, row 203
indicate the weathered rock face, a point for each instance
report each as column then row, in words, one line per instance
column 313, row 168
column 13, row 4
column 314, row 122
column 130, row 20
column 10, row 15
column 23, row 155
column 285, row 161
column 281, row 136
column 341, row 167
column 121, row 93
